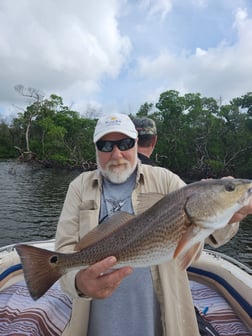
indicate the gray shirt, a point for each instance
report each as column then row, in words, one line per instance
column 133, row 309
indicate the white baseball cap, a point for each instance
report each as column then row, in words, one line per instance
column 115, row 122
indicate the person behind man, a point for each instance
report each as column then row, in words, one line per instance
column 144, row 301
column 147, row 139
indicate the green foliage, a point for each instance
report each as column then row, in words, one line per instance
column 59, row 159
column 144, row 110
column 54, row 133
column 197, row 137
column 6, row 142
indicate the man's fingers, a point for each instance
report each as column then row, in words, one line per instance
column 109, row 282
column 99, row 280
column 98, row 269
column 114, row 278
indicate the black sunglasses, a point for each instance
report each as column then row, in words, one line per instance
column 122, row 145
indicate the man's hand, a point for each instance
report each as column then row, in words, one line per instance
column 98, row 280
column 242, row 213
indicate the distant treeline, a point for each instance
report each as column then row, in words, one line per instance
column 198, row 137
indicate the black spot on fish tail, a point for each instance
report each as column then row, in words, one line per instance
column 54, row 259
column 39, row 267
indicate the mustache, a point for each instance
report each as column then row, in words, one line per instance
column 116, row 162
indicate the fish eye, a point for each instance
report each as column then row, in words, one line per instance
column 230, row 187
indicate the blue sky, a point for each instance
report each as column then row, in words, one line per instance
column 115, row 55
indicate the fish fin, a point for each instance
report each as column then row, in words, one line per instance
column 39, row 267
column 193, row 253
column 112, row 224
column 197, row 255
column 147, row 200
column 186, row 239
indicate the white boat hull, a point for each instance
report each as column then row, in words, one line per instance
column 218, row 274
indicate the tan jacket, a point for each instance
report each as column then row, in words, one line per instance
column 80, row 214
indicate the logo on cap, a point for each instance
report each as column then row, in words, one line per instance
column 113, row 121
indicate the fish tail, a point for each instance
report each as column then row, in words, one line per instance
column 39, row 267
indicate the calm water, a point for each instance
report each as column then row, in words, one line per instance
column 31, row 200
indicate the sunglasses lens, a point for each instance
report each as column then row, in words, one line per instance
column 125, row 144
column 107, row 146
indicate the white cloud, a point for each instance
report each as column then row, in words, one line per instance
column 118, row 54
column 221, row 71
column 50, row 45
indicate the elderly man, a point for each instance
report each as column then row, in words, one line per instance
column 148, row 301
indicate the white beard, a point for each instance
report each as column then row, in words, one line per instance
column 117, row 171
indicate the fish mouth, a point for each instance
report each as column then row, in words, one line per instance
column 246, row 197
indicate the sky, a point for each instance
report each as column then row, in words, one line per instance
column 115, row 55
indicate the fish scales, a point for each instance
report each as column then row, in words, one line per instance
column 152, row 233
column 173, row 228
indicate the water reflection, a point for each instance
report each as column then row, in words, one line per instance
column 31, row 200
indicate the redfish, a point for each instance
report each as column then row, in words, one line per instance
column 173, row 228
